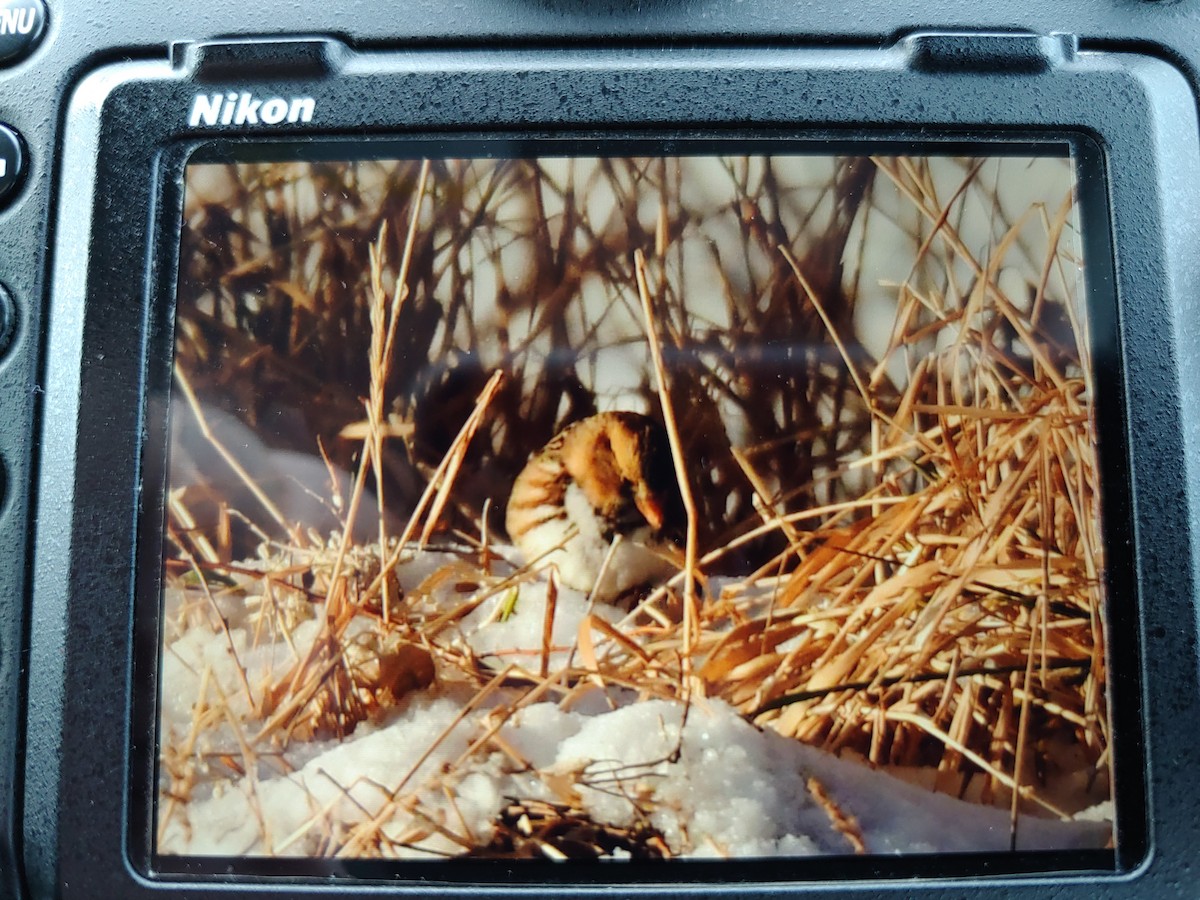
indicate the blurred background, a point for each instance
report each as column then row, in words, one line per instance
column 526, row 266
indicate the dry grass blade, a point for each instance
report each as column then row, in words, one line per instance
column 185, row 386
column 446, row 475
column 843, row 823
column 691, row 615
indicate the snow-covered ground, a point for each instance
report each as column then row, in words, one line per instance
column 419, row 781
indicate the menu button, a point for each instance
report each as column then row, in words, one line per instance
column 22, row 23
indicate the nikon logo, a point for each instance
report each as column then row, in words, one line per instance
column 246, row 109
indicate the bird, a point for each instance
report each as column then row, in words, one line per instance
column 603, row 479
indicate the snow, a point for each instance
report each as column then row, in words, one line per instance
column 427, row 776
column 733, row 791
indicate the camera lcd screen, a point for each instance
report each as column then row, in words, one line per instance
column 692, row 502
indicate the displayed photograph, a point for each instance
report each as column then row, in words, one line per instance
column 522, row 502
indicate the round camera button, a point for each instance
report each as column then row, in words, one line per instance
column 8, row 319
column 12, row 162
column 22, row 24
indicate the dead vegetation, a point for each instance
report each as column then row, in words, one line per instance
column 894, row 509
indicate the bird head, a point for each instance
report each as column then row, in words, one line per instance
column 641, row 458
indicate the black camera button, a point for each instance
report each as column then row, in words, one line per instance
column 22, row 24
column 12, row 162
column 8, row 319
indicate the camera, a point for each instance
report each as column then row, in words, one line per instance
column 664, row 448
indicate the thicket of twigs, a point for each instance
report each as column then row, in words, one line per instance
column 898, row 547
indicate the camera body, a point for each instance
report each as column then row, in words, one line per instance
column 103, row 111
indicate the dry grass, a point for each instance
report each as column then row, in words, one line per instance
column 896, row 543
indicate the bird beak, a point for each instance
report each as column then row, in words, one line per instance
column 650, row 508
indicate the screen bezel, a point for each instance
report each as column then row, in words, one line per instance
column 158, row 153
